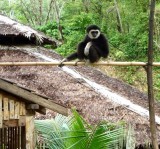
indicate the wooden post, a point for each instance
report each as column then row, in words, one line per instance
column 12, row 110
column 150, row 78
column 6, row 110
column 1, row 115
column 30, row 130
column 17, row 107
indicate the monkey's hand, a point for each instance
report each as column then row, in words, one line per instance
column 86, row 50
column 61, row 63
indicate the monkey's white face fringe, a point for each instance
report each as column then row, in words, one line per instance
column 94, row 30
column 86, row 50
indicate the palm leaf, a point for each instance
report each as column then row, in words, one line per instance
column 130, row 138
column 51, row 130
column 103, row 137
column 78, row 135
column 74, row 133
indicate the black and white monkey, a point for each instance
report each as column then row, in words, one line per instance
column 93, row 47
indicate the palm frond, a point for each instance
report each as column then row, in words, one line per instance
column 130, row 138
column 103, row 137
column 75, row 133
column 51, row 130
column 78, row 132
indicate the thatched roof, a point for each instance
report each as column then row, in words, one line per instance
column 12, row 29
column 30, row 96
column 62, row 88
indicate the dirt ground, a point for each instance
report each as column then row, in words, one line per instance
column 68, row 91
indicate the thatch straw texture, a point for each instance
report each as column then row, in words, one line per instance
column 9, row 27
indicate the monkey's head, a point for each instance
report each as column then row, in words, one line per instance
column 93, row 31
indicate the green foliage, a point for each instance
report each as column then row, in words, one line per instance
column 49, row 29
column 133, row 40
column 74, row 133
column 70, row 43
column 75, row 16
column 12, row 9
column 73, row 31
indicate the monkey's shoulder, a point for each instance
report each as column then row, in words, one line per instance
column 102, row 37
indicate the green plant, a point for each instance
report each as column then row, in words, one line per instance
column 49, row 29
column 75, row 133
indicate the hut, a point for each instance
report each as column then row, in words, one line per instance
column 17, row 111
column 18, row 104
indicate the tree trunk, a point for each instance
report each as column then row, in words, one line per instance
column 150, row 78
column 119, row 25
column 49, row 11
column 40, row 12
column 58, row 21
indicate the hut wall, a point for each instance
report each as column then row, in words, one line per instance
column 16, row 124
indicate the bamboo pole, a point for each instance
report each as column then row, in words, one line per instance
column 106, row 63
column 150, row 77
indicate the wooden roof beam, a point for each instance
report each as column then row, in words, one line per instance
column 25, row 94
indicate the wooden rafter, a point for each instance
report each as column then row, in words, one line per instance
column 25, row 94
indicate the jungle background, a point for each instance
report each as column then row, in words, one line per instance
column 124, row 22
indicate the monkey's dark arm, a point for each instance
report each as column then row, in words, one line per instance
column 79, row 54
column 68, row 58
column 103, row 50
column 105, row 46
column 80, row 51
column 81, row 47
column 72, row 56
